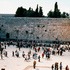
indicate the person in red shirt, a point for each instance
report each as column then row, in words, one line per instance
column 42, row 54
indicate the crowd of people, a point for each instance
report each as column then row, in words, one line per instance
column 46, row 52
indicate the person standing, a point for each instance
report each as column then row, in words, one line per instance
column 5, row 46
column 56, row 66
column 52, row 67
column 13, row 53
column 6, row 54
column 67, row 68
column 39, row 58
column 60, row 65
column 34, row 64
column 42, row 54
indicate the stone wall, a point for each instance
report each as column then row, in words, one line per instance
column 35, row 28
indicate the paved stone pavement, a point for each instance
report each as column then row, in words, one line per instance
column 31, row 67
